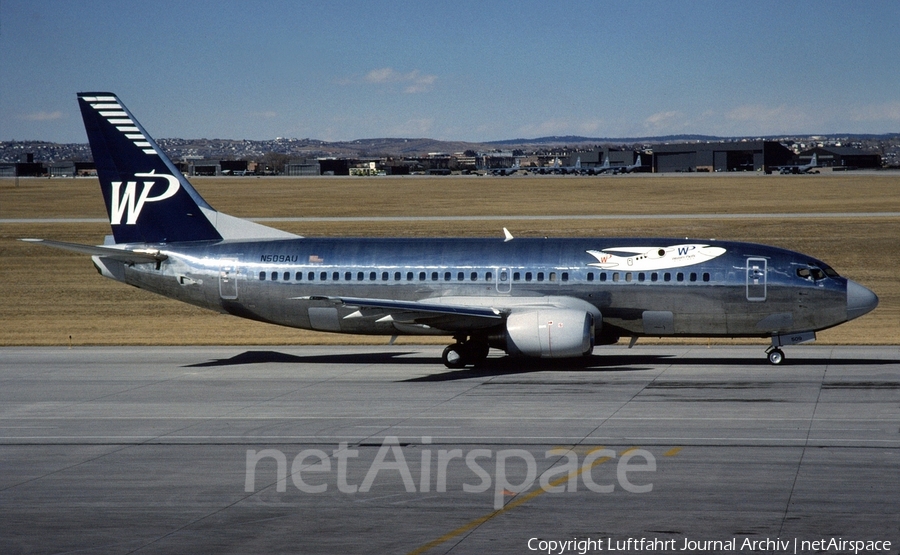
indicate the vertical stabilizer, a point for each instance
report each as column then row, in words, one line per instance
column 147, row 199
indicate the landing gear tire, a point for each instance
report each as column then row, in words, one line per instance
column 452, row 357
column 776, row 356
column 460, row 355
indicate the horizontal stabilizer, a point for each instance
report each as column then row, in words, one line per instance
column 141, row 256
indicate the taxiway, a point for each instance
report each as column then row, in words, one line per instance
column 383, row 450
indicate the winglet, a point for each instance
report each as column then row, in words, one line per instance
column 507, row 235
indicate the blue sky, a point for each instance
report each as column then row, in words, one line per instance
column 474, row 71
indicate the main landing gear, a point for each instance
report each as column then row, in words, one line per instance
column 464, row 353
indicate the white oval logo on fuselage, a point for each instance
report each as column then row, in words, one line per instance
column 654, row 258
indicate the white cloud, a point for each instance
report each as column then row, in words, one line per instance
column 42, row 116
column 887, row 112
column 412, row 82
column 766, row 120
column 665, row 122
column 561, row 127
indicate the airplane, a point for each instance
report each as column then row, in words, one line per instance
column 803, row 168
column 615, row 170
column 552, row 168
column 576, row 169
column 603, row 168
column 507, row 171
column 631, row 167
column 529, row 297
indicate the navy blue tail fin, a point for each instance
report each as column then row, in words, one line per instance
column 147, row 199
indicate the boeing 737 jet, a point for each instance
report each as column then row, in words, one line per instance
column 549, row 298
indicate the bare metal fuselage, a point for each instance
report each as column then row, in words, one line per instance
column 749, row 291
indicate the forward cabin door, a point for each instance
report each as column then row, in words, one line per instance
column 504, row 281
column 756, row 279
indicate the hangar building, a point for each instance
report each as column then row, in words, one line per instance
column 724, row 157
column 842, row 157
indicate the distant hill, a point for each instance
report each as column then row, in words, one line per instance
column 574, row 139
column 236, row 149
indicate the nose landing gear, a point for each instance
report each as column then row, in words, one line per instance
column 775, row 355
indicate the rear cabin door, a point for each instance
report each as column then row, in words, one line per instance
column 228, row 288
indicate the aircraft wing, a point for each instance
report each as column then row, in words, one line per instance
column 449, row 317
column 140, row 256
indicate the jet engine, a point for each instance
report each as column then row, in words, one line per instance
column 550, row 333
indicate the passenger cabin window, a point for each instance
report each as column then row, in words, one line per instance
column 274, row 276
column 262, row 276
column 298, row 276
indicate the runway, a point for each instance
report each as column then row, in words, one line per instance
column 383, row 450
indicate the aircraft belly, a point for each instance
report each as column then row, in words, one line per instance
column 196, row 289
column 645, row 311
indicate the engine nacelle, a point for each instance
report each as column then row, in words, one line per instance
column 550, row 333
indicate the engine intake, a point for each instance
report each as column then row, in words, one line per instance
column 550, row 333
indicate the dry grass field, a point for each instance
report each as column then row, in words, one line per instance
column 50, row 296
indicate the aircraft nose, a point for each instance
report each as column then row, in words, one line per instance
column 859, row 300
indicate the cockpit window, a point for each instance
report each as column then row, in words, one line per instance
column 814, row 273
